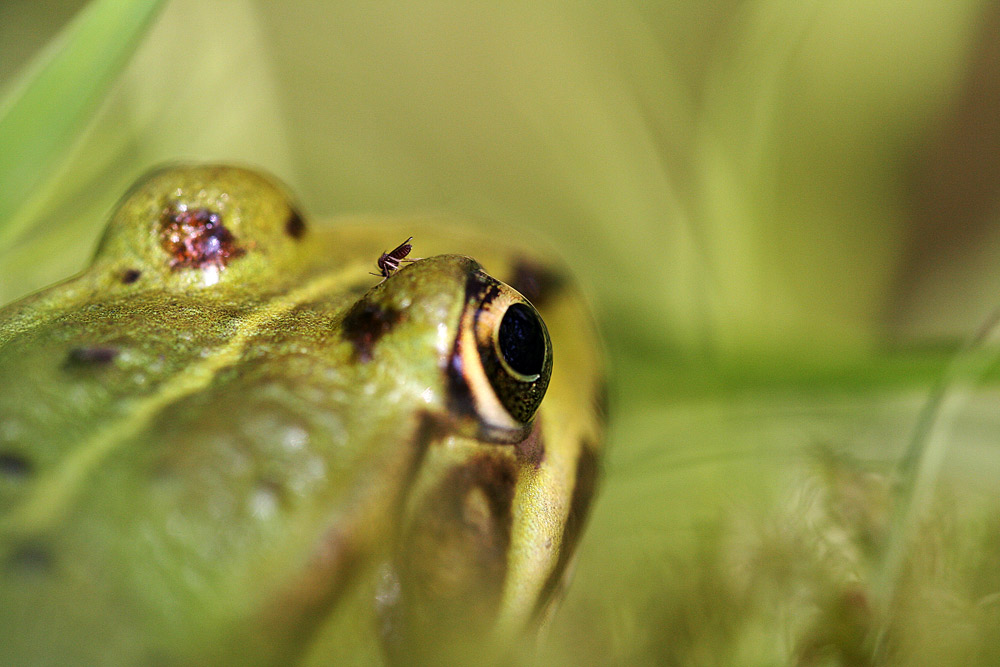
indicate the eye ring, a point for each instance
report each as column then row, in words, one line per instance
column 514, row 350
column 502, row 360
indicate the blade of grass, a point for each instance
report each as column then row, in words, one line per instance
column 918, row 471
column 48, row 104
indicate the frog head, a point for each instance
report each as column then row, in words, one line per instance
column 226, row 440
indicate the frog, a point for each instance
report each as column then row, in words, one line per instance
column 225, row 442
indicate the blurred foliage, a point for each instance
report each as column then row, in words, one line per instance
column 784, row 211
column 44, row 108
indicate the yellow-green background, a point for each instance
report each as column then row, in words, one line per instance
column 784, row 212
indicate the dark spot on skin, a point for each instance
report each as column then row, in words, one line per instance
column 497, row 478
column 480, row 287
column 197, row 239
column 535, row 282
column 468, row 518
column 460, row 399
column 295, row 226
column 584, row 488
column 130, row 276
column 532, row 449
column 30, row 558
column 583, row 492
column 365, row 324
column 86, row 356
column 14, row 466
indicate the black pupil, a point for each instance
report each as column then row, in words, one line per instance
column 521, row 340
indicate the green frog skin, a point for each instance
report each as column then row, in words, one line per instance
column 226, row 442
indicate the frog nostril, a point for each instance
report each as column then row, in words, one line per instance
column 522, row 341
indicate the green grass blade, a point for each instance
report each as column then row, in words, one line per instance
column 50, row 102
column 920, row 467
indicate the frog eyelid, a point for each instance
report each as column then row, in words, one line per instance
column 471, row 393
column 501, row 338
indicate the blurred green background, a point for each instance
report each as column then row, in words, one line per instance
column 784, row 212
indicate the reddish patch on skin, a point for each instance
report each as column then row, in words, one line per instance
column 532, row 448
column 197, row 239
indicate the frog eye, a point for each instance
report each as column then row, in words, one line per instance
column 503, row 358
column 518, row 358
column 521, row 342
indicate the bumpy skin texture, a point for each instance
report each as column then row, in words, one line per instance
column 225, row 442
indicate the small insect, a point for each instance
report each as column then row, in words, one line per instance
column 388, row 263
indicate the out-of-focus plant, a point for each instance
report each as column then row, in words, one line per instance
column 43, row 110
column 743, row 188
